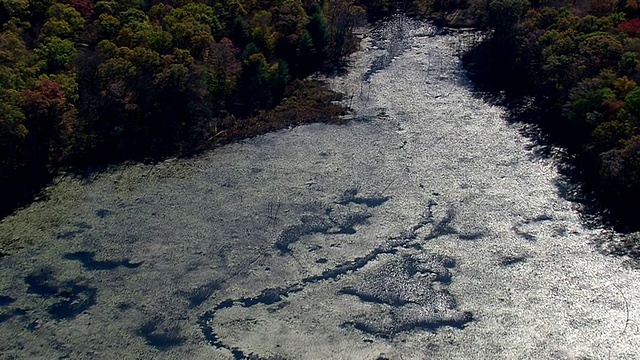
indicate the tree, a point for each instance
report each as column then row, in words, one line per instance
column 15, row 61
column 50, row 121
column 628, row 64
column 263, row 34
column 67, row 14
column 108, row 26
column 632, row 104
column 620, row 174
column 261, row 86
column 503, row 15
column 307, row 60
column 193, row 19
column 342, row 17
column 222, row 70
column 63, row 21
column 55, row 53
column 84, row 7
column 608, row 135
column 240, row 32
column 601, row 51
column 12, row 135
column 253, row 84
column 13, row 8
column 317, row 29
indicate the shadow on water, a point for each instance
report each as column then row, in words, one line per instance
column 512, row 260
column 411, row 287
column 78, row 228
column 72, row 297
column 6, row 300
column 202, row 293
column 6, row 315
column 159, row 335
column 350, row 196
column 89, row 263
column 9, row 314
column 332, row 221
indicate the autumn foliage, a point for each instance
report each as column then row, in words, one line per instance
column 86, row 82
column 630, row 27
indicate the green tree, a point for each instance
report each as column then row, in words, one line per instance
column 503, row 16
column 307, row 59
column 261, row 86
column 632, row 104
column 67, row 14
column 620, row 175
column 13, row 8
column 108, row 26
column 254, row 83
column 601, row 51
column 263, row 34
column 63, row 21
column 222, row 70
column 55, row 54
column 12, row 135
column 317, row 29
column 193, row 19
column 240, row 32
column 628, row 64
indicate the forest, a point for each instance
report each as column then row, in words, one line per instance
column 84, row 83
column 574, row 64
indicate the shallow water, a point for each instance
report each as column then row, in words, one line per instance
column 426, row 228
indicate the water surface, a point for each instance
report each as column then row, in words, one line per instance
column 425, row 228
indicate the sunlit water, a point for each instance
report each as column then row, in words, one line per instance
column 426, row 228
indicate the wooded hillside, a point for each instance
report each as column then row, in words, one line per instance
column 86, row 82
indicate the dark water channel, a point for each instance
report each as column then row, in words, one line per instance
column 426, row 228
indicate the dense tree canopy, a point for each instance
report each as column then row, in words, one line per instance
column 86, row 82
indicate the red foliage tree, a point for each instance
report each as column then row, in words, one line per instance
column 84, row 7
column 631, row 27
column 51, row 121
column 45, row 98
